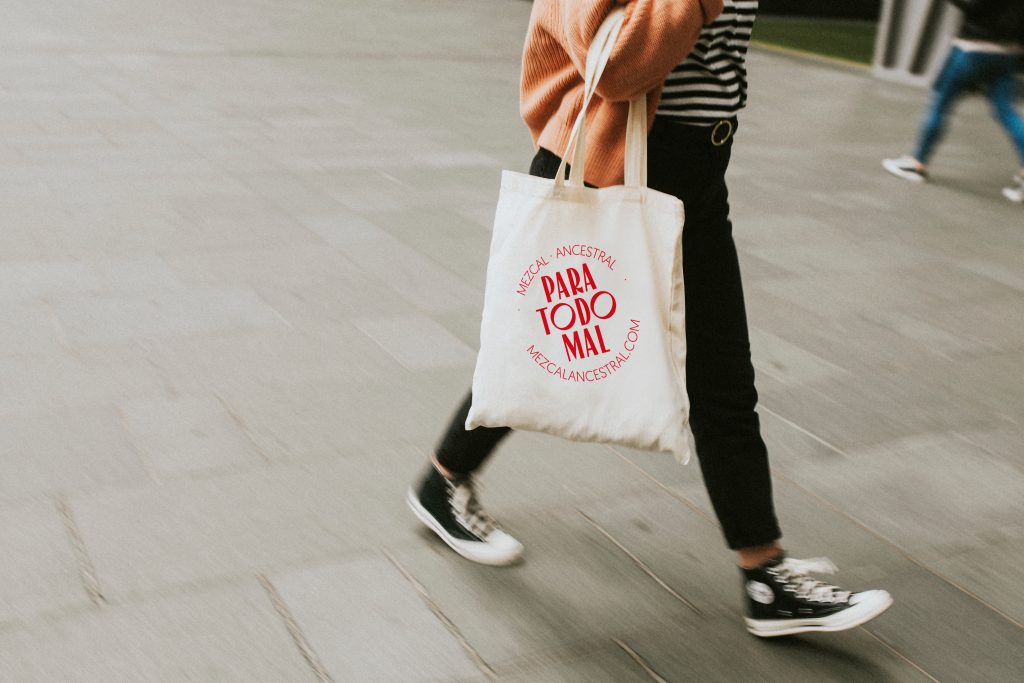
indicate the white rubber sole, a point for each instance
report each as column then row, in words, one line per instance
column 892, row 166
column 870, row 606
column 1014, row 195
column 501, row 549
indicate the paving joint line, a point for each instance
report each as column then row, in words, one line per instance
column 805, row 432
column 475, row 656
column 899, row 654
column 641, row 662
column 640, row 563
column 86, row 569
column 153, row 475
column 971, row 442
column 60, row 332
column 525, row 665
column 243, row 426
column 163, row 591
column 295, row 631
column 679, row 497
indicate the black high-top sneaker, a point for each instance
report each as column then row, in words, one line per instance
column 450, row 509
column 782, row 599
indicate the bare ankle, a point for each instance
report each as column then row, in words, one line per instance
column 441, row 469
column 756, row 555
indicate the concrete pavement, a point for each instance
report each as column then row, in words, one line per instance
column 224, row 222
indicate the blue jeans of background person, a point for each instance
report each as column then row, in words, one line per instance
column 994, row 74
column 684, row 161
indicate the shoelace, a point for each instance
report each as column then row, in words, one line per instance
column 793, row 574
column 468, row 511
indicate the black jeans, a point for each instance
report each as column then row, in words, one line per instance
column 683, row 161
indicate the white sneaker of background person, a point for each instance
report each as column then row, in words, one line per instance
column 909, row 168
column 1015, row 193
column 906, row 167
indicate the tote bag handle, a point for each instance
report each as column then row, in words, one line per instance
column 636, row 122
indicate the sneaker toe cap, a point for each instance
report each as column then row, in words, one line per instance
column 504, row 546
column 872, row 599
column 498, row 549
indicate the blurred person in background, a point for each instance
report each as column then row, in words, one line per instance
column 985, row 56
column 688, row 57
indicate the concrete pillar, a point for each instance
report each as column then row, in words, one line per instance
column 913, row 39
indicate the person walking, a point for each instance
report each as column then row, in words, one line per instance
column 985, row 55
column 688, row 58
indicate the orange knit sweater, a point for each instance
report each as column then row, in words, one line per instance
column 656, row 36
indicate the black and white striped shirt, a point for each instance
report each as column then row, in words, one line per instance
column 711, row 83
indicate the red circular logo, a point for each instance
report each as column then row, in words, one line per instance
column 581, row 333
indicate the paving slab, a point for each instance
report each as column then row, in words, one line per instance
column 429, row 286
column 966, row 500
column 149, row 538
column 39, row 573
column 608, row 664
column 442, row 233
column 187, row 434
column 367, row 622
column 94, row 320
column 417, row 342
column 224, row 634
column 340, row 416
column 67, row 450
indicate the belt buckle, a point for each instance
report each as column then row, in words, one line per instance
column 719, row 138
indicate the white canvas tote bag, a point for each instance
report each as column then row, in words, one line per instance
column 583, row 333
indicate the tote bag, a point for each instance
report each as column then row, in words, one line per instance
column 583, row 331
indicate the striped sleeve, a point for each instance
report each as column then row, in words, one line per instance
column 711, row 82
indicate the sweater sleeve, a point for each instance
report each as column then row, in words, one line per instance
column 656, row 35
